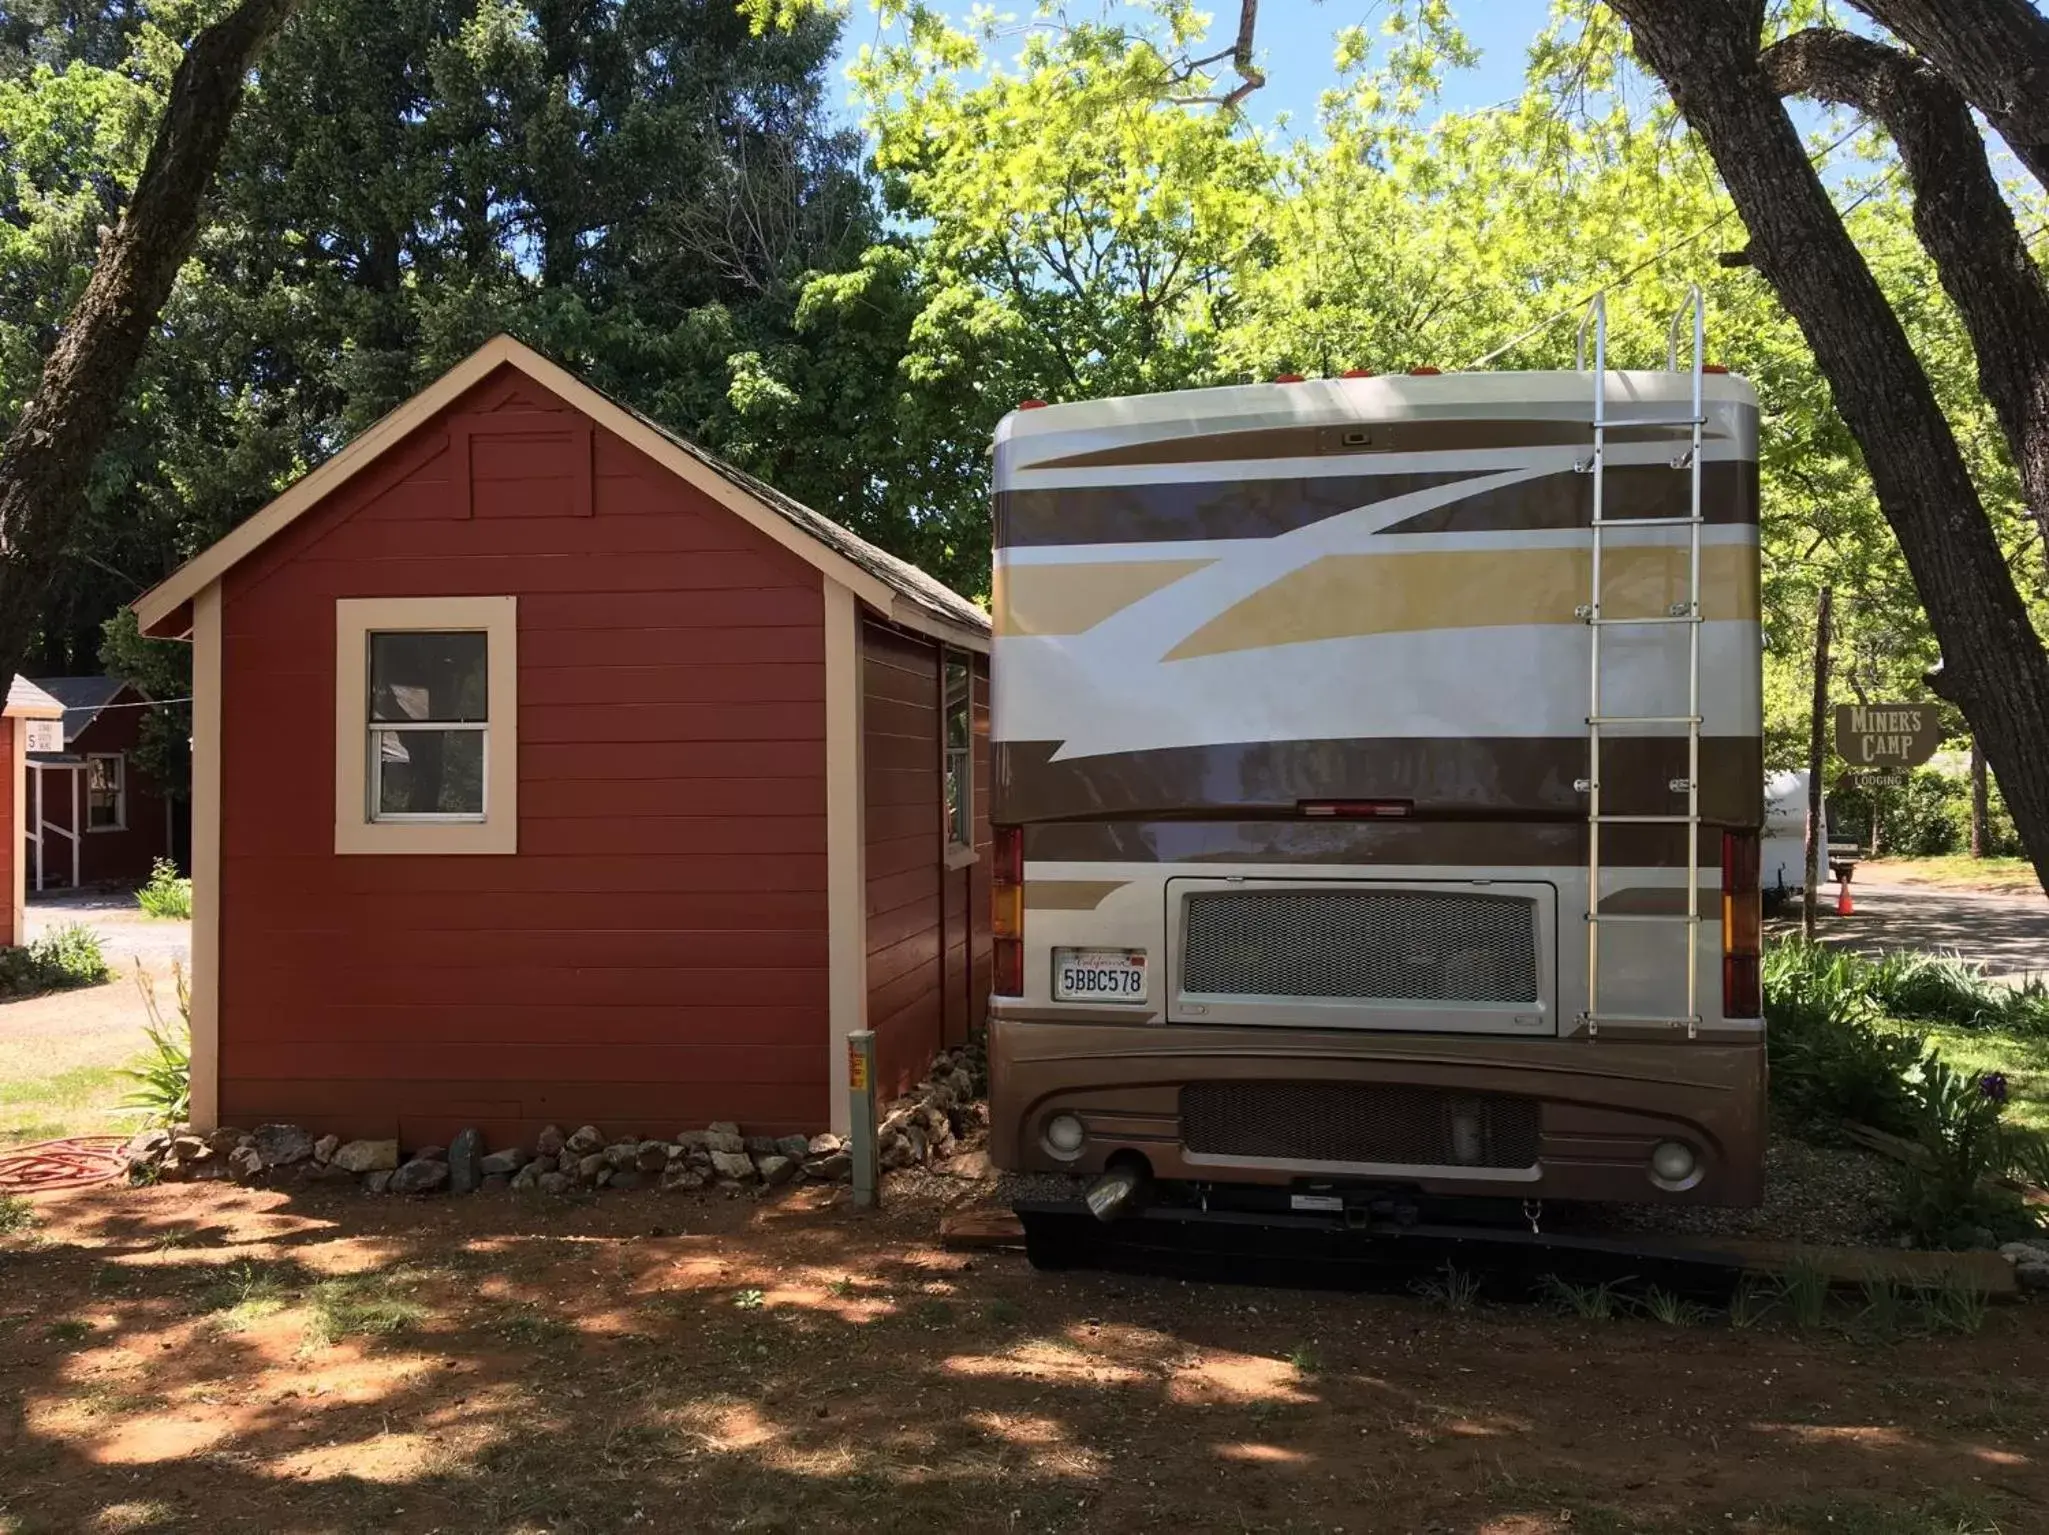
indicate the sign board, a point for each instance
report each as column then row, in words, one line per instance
column 1887, row 735
column 45, row 735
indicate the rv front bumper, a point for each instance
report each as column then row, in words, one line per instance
column 1605, row 1121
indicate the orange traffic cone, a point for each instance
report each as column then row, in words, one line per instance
column 1844, row 907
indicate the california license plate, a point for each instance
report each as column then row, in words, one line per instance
column 1099, row 975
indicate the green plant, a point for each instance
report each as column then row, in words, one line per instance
column 1953, row 1303
column 1457, row 1290
column 362, row 1305
column 1751, row 1302
column 1804, row 1288
column 1591, row 1302
column 1670, row 1309
column 1004, row 1312
column 749, row 1300
column 70, row 1330
column 166, row 894
column 163, row 1074
column 243, row 1292
column 1885, row 1311
column 1953, row 1194
column 16, row 1214
column 1832, row 1054
column 1305, row 1359
column 64, row 957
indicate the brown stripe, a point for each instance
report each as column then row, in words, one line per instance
column 1070, row 894
column 1464, row 434
column 1436, row 776
column 1160, row 512
column 1451, row 844
column 1728, row 495
column 1659, row 900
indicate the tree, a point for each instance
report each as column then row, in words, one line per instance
column 63, row 424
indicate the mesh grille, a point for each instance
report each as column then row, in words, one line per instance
column 1405, row 945
column 1358, row 1122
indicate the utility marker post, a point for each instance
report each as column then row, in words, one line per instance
column 861, row 1118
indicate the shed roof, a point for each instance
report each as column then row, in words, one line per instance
column 27, row 701
column 82, row 697
column 895, row 587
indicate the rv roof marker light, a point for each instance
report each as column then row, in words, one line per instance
column 1714, row 367
column 1031, row 404
column 1356, row 809
column 1288, row 378
column 1425, row 372
column 1359, row 373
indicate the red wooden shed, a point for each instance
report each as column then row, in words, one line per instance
column 548, row 769
column 95, row 815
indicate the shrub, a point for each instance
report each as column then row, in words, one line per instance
column 1833, row 1055
column 64, row 957
column 163, row 1076
column 1967, row 1148
column 1946, row 988
column 166, row 895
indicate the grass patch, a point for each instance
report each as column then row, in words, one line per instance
column 166, row 895
column 1305, row 1360
column 16, row 1215
column 70, row 1330
column 1955, row 871
column 84, row 1100
column 1589, row 1302
column 362, row 1306
column 244, row 1292
column 531, row 1327
column 2022, row 1058
column 1004, row 1312
column 1454, row 1289
column 64, row 957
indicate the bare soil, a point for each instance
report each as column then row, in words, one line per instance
column 207, row 1357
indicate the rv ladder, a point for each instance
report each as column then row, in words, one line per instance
column 1595, row 327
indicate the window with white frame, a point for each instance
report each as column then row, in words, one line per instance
column 106, row 792
column 426, row 725
column 959, row 734
column 428, row 719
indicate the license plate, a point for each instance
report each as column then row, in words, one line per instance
column 1099, row 975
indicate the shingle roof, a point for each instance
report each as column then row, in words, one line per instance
column 27, row 700
column 82, row 698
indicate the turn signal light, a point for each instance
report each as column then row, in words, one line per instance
column 1742, row 927
column 1006, row 911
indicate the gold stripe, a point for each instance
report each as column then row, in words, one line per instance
column 1343, row 595
column 1070, row 894
column 1066, row 599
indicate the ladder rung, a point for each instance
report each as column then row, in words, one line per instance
column 1673, row 618
column 1644, row 916
column 1643, row 719
column 1607, row 424
column 1676, row 1023
column 1646, row 820
column 1647, row 522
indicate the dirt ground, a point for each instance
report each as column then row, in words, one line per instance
column 206, row 1357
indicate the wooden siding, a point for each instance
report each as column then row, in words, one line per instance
column 654, row 955
column 928, row 925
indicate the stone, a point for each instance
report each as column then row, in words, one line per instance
column 554, row 1183
column 971, row 1165
column 244, row 1139
column 224, row 1140
column 824, row 1145
column 603, row 1179
column 795, row 1147
column 941, row 1098
column 502, row 1163
column 831, row 1167
column 493, row 1182
column 568, row 1162
column 627, row 1178
column 651, row 1157
column 549, row 1142
column 147, row 1145
column 680, row 1175
column 378, row 1182
column 246, row 1161
column 622, row 1154
column 694, row 1140
column 623, row 1140
column 896, row 1152
column 896, row 1122
column 590, row 1166
column 323, row 1172
column 919, row 1146
column 719, row 1141
column 464, row 1153
column 775, row 1170
column 586, row 1140
column 325, row 1148
column 724, row 1127
column 759, row 1145
column 733, row 1164
column 366, row 1156
column 282, row 1145
column 431, row 1154
column 419, row 1176
column 2032, row 1277
column 2025, row 1252
column 528, row 1175
column 190, row 1148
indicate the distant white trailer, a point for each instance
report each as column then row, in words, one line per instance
column 1785, row 836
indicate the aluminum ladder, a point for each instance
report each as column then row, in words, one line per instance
column 1594, row 326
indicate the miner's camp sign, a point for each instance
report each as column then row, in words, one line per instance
column 1886, row 735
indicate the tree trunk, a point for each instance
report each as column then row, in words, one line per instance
column 50, row 453
column 1817, row 725
column 1997, row 52
column 1994, row 668
column 1962, row 218
column 1981, row 808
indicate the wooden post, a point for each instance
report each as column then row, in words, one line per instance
column 1817, row 849
column 1981, row 809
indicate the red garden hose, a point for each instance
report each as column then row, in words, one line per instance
column 76, row 1163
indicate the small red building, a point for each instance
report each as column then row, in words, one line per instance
column 94, row 815
column 28, row 717
column 548, row 769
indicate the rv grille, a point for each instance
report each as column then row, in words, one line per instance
column 1358, row 1122
column 1396, row 945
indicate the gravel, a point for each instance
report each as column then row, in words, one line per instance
column 1827, row 1195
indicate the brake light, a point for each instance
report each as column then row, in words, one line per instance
column 1742, row 927
column 1006, row 911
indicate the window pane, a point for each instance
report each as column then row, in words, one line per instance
column 429, row 772
column 103, row 773
column 429, row 676
column 957, row 728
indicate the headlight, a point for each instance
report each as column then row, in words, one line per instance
column 1673, row 1162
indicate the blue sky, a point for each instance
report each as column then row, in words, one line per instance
column 1295, row 46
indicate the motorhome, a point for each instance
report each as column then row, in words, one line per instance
column 1376, row 768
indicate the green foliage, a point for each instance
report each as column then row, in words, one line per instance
column 163, row 1076
column 1953, row 1192
column 1833, row 1055
column 166, row 894
column 1589, row 1302
column 62, row 958
column 16, row 1215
